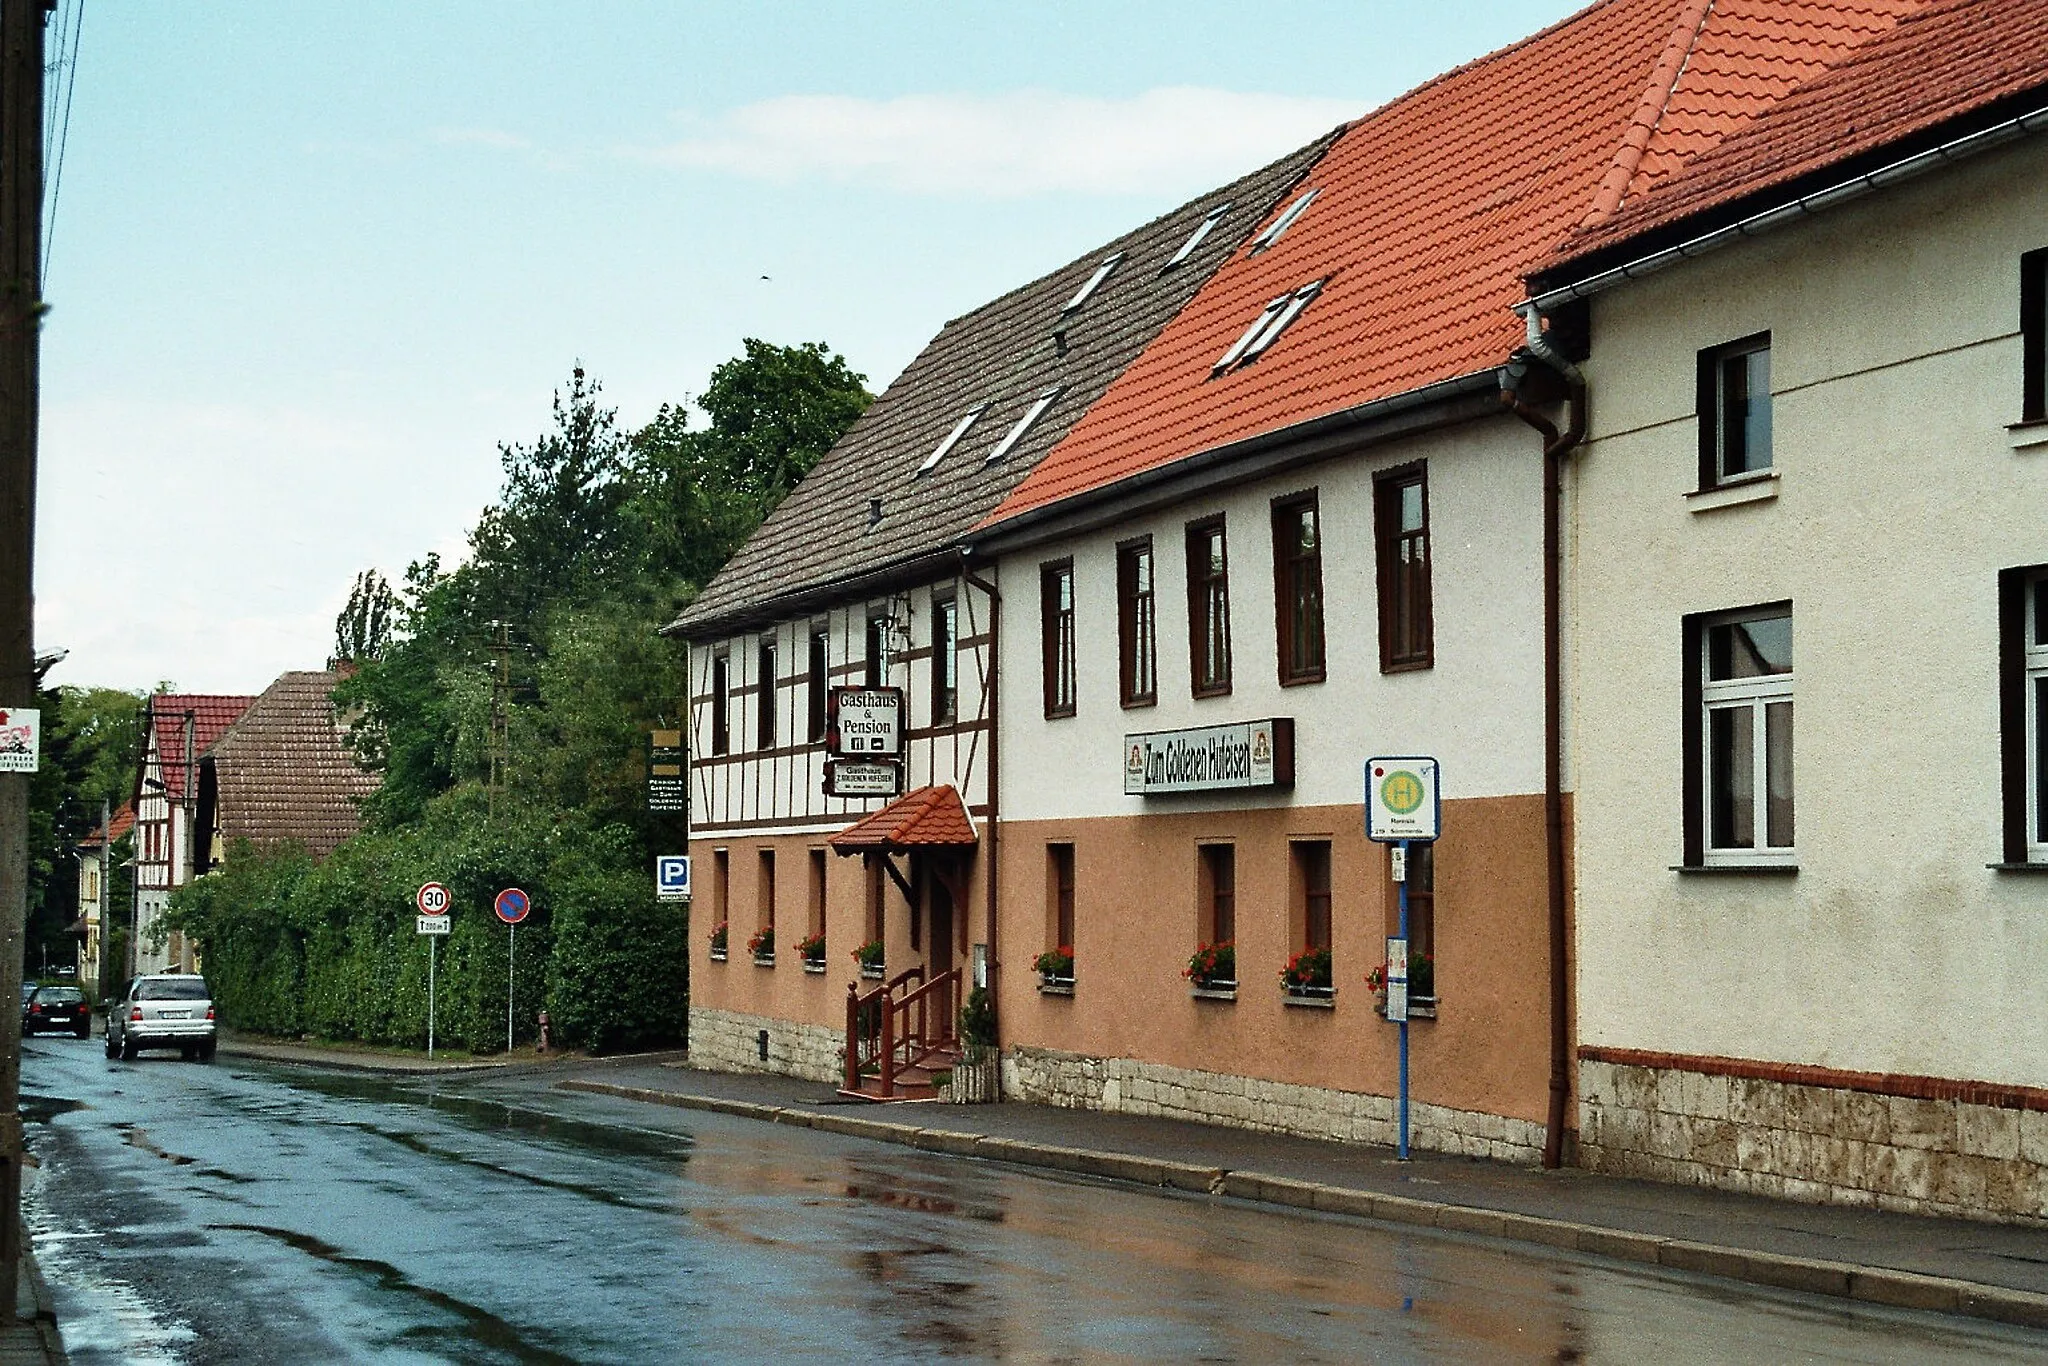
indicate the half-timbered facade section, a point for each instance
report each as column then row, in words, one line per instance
column 177, row 729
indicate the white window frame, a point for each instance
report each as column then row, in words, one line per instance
column 1300, row 299
column 1202, row 230
column 2035, row 665
column 1756, row 695
column 1251, row 334
column 952, row 438
column 1024, row 423
column 1093, row 282
column 1281, row 224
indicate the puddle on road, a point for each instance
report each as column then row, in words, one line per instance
column 480, row 1326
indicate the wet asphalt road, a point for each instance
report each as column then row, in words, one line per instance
column 243, row 1212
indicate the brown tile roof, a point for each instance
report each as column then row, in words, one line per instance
column 1947, row 60
column 212, row 714
column 284, row 771
column 920, row 819
column 1431, row 211
column 1003, row 354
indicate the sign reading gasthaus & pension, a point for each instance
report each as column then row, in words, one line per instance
column 1210, row 758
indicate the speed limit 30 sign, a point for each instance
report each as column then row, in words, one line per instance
column 433, row 899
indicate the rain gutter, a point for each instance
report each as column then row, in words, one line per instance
column 1803, row 206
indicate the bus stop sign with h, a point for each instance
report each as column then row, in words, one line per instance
column 1403, row 806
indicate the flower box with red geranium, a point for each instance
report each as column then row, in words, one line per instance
column 1307, row 977
column 1421, row 986
column 762, row 946
column 1056, row 970
column 811, row 948
column 869, row 957
column 1212, row 972
column 718, row 940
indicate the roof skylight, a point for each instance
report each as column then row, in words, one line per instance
column 1031, row 415
column 952, row 438
column 1282, row 223
column 1094, row 282
column 1202, row 230
column 1273, row 320
column 1251, row 334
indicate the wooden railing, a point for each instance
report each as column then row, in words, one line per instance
column 886, row 1033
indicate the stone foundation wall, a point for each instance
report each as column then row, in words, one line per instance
column 1131, row 1087
column 1822, row 1144
column 729, row 1041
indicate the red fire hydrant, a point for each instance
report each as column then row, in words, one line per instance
column 543, row 1031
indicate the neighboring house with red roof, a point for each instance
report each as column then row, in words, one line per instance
column 1319, row 508
column 176, row 729
column 1813, row 487
column 96, row 917
column 282, row 774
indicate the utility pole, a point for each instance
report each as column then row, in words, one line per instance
column 21, row 309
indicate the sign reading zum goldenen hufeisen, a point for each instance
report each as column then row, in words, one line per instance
column 1210, row 758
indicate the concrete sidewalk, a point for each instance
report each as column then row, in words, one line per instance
column 32, row 1339
column 1993, row 1271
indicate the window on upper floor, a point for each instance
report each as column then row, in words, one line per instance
column 1735, row 410
column 1056, row 620
column 952, row 439
column 1037, row 409
column 1739, row 742
column 818, row 684
column 1275, row 318
column 1298, row 588
column 1093, row 282
column 2023, row 711
column 1136, row 625
column 1273, row 231
column 766, row 696
column 1401, row 536
column 721, row 704
column 945, row 670
column 2034, row 336
column 1202, row 230
column 1208, row 608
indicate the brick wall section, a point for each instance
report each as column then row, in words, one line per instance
column 729, row 1041
column 1821, row 1137
column 1126, row 1085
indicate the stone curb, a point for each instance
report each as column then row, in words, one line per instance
column 371, row 1062
column 1843, row 1280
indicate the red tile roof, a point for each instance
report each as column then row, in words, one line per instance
column 212, row 714
column 920, row 819
column 1948, row 59
column 122, row 821
column 1433, row 208
column 283, row 771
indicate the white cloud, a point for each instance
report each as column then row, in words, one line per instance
column 1010, row 145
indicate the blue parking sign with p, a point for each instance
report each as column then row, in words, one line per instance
column 672, row 877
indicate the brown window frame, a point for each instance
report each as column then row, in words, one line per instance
column 817, row 893
column 945, row 661
column 721, row 703
column 1421, row 905
column 767, row 716
column 1219, row 892
column 819, row 683
column 878, row 649
column 1298, row 575
column 1314, row 902
column 1414, row 647
column 721, row 885
column 1200, row 642
column 1056, row 629
column 1059, row 885
column 764, row 892
column 1137, row 625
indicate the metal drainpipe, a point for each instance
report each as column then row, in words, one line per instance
column 995, row 641
column 1556, row 445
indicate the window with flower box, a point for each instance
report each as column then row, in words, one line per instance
column 1056, row 965
column 1213, row 968
column 1308, row 970
column 763, row 943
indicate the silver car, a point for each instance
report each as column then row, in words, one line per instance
column 163, row 1010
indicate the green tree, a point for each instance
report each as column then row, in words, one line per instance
column 363, row 628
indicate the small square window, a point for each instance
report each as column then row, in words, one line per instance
column 1735, row 410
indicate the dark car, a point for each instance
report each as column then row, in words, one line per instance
column 50, row 1009
column 163, row 1010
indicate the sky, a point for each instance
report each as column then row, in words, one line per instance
column 311, row 263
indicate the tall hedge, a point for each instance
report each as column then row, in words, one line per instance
column 330, row 950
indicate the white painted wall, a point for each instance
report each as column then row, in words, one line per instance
column 1479, row 710
column 1896, row 368
column 762, row 795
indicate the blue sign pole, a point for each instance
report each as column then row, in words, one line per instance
column 1403, row 1154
